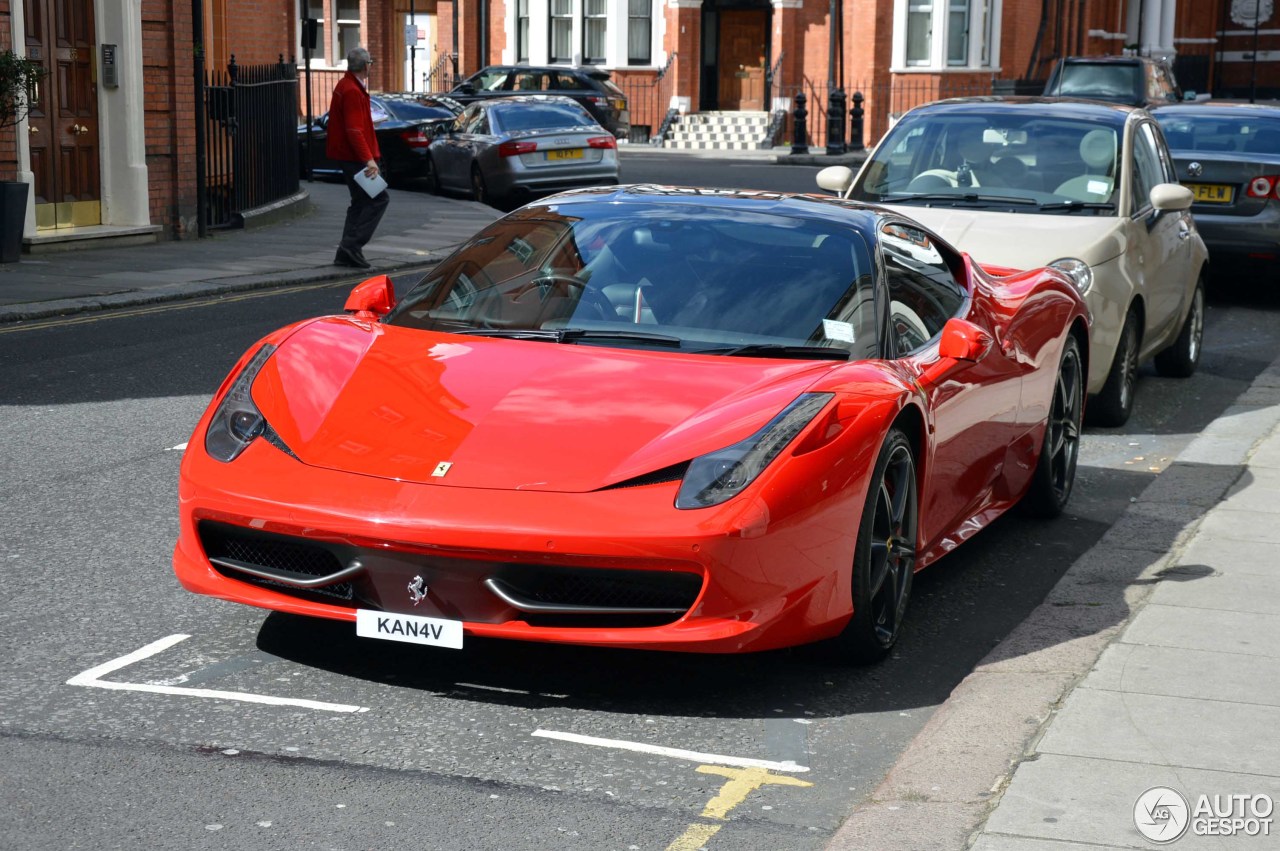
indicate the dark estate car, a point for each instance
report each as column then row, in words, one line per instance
column 1228, row 155
column 1131, row 80
column 403, row 124
column 586, row 84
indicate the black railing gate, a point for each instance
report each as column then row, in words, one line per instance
column 251, row 129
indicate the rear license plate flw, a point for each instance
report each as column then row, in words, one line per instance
column 412, row 629
column 565, row 154
column 1211, row 193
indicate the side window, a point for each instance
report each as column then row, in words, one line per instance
column 923, row 292
column 1168, row 172
column 1147, row 171
column 473, row 120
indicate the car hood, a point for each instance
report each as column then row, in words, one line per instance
column 1022, row 240
column 397, row 403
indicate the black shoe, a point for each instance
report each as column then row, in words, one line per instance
column 348, row 258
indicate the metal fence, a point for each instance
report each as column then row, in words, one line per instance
column 883, row 103
column 252, row 139
column 649, row 101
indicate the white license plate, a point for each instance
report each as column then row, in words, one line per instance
column 409, row 628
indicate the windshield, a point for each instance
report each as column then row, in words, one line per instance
column 1246, row 132
column 514, row 117
column 1103, row 81
column 1001, row 160
column 426, row 110
column 665, row 276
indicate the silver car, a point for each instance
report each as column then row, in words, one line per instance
column 509, row 149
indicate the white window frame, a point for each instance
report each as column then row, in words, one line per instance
column 617, row 19
column 983, row 50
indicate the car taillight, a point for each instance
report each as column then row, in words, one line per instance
column 598, row 101
column 602, row 142
column 416, row 138
column 511, row 149
column 1267, row 186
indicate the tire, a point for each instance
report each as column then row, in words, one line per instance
column 1113, row 405
column 479, row 189
column 1182, row 357
column 883, row 566
column 432, row 177
column 1055, row 473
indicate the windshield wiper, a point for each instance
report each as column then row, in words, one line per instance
column 1072, row 206
column 572, row 335
column 967, row 197
column 776, row 350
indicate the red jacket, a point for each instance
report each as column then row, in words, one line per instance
column 350, row 126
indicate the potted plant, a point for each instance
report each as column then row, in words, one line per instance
column 18, row 79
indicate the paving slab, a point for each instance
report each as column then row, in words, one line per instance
column 1227, row 590
column 1257, row 489
column 1246, row 633
column 1178, row 672
column 1169, row 731
column 1090, row 802
column 1226, row 552
column 1260, row 527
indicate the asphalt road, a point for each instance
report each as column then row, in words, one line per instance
column 192, row 723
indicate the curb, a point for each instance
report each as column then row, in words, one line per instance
column 200, row 289
column 950, row 778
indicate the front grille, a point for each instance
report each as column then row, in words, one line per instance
column 608, row 589
column 289, row 557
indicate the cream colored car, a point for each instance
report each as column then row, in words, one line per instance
column 1085, row 187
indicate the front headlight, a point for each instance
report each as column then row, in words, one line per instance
column 237, row 421
column 717, row 476
column 1077, row 270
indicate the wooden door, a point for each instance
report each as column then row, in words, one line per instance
column 743, row 33
column 63, row 123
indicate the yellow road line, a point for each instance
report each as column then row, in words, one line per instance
column 741, row 783
column 694, row 837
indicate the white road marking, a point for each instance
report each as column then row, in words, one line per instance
column 674, row 753
column 92, row 679
column 179, row 448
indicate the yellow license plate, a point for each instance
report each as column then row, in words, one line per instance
column 567, row 154
column 619, row 105
column 1211, row 193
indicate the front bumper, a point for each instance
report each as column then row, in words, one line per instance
column 759, row 572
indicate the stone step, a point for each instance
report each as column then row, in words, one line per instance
column 684, row 144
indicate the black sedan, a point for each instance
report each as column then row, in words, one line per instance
column 403, row 124
column 1228, row 155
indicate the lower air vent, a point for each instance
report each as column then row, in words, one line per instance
column 277, row 561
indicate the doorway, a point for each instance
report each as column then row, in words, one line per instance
column 744, row 39
column 62, row 128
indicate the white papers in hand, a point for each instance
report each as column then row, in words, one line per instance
column 374, row 186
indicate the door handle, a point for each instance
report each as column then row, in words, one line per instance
column 31, row 128
column 1184, row 230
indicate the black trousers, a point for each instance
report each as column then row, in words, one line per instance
column 364, row 213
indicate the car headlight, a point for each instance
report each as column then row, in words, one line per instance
column 1077, row 270
column 237, row 421
column 717, row 476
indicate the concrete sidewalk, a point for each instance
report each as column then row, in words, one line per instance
column 418, row 229
column 1155, row 662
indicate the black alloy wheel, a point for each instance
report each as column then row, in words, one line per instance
column 1183, row 356
column 1055, row 474
column 1113, row 405
column 432, row 176
column 884, row 560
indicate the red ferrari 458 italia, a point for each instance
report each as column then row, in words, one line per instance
column 644, row 417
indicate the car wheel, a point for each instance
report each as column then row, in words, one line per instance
column 884, row 560
column 1055, row 473
column 479, row 190
column 432, row 177
column 1181, row 358
column 1113, row 405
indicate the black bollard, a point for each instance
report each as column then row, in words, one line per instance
column 799, row 142
column 856, row 117
column 835, row 122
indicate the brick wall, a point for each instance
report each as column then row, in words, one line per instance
column 169, row 107
column 8, row 148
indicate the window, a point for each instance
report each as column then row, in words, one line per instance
column 561, row 31
column 639, row 32
column 594, row 20
column 923, row 293
column 522, row 30
column 348, row 28
column 958, row 32
column 939, row 34
column 919, row 32
column 1147, row 171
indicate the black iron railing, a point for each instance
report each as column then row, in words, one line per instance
column 252, row 139
column 649, row 102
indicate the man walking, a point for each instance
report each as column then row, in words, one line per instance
column 352, row 142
